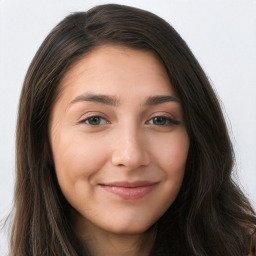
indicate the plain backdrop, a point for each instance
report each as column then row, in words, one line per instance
column 221, row 34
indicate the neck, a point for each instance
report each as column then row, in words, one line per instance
column 100, row 242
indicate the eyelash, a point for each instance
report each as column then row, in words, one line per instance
column 167, row 121
column 86, row 121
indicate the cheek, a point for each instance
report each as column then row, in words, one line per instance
column 77, row 157
column 175, row 150
column 171, row 155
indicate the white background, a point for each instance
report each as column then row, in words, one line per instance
column 221, row 34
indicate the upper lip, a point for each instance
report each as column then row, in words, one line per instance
column 127, row 184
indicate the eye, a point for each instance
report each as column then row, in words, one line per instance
column 95, row 120
column 162, row 121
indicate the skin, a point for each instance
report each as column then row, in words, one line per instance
column 126, row 137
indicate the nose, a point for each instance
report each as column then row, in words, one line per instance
column 130, row 149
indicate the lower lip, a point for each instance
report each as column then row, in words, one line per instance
column 129, row 193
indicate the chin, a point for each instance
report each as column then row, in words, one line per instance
column 134, row 227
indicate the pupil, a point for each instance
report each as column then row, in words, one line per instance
column 94, row 120
column 159, row 120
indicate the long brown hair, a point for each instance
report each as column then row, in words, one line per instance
column 210, row 216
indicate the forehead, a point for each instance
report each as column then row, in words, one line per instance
column 111, row 68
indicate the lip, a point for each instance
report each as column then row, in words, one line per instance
column 129, row 190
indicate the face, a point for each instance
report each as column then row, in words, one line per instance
column 118, row 140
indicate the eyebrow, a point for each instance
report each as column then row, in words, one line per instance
column 103, row 99
column 114, row 101
column 155, row 100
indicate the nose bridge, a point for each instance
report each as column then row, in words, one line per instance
column 129, row 149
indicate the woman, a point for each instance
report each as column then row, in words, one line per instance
column 122, row 148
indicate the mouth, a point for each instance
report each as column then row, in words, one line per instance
column 129, row 190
